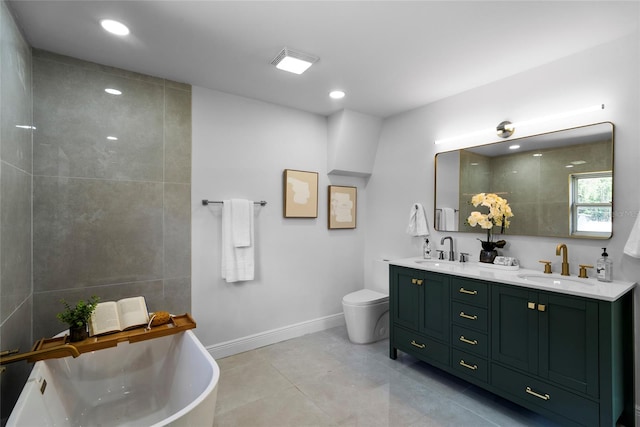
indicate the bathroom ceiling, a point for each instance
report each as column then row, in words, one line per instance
column 388, row 56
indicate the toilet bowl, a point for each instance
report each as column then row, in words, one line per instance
column 366, row 313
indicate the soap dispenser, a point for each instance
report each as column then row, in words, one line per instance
column 426, row 249
column 604, row 267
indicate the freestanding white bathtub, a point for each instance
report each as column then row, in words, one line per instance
column 160, row 382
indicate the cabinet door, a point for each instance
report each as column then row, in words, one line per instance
column 436, row 320
column 514, row 327
column 405, row 298
column 569, row 342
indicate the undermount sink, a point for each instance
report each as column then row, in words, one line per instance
column 438, row 263
column 555, row 280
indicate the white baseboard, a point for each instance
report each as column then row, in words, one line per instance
column 273, row 336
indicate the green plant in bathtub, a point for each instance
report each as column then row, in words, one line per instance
column 78, row 317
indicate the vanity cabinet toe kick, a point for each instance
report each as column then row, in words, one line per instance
column 561, row 362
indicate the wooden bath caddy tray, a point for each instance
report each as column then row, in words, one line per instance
column 178, row 324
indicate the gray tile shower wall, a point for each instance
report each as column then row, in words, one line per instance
column 15, row 205
column 111, row 217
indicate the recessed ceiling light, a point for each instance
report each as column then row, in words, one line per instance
column 112, row 91
column 537, row 155
column 293, row 61
column 514, row 147
column 568, row 166
column 337, row 94
column 114, row 27
column 112, row 138
column 578, row 162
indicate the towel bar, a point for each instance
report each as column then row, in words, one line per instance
column 207, row 202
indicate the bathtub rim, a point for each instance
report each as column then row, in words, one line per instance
column 33, row 381
column 211, row 387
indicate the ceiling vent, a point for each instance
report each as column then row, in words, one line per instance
column 293, row 61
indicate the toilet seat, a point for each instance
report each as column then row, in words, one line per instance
column 364, row 297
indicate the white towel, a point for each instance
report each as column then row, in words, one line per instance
column 447, row 219
column 632, row 247
column 241, row 227
column 417, row 221
column 237, row 258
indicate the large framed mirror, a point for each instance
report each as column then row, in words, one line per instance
column 558, row 184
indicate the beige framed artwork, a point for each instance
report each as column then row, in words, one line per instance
column 342, row 206
column 300, row 194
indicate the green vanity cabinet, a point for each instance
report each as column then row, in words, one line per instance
column 551, row 341
column 470, row 324
column 567, row 357
column 419, row 311
column 549, row 335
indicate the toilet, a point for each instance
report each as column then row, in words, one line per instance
column 366, row 312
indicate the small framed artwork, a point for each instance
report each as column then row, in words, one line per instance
column 342, row 206
column 300, row 194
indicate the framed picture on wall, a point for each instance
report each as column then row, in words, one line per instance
column 300, row 194
column 342, row 206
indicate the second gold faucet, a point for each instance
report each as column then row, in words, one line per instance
column 565, row 262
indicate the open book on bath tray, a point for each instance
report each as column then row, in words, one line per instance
column 117, row 316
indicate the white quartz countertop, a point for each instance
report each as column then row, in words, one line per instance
column 534, row 279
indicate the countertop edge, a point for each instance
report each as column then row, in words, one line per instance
column 604, row 291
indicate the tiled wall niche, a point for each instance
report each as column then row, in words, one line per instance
column 111, row 217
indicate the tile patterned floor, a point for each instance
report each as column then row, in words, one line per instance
column 322, row 379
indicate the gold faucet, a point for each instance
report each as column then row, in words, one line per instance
column 565, row 263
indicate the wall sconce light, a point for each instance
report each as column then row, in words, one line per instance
column 505, row 129
column 293, row 62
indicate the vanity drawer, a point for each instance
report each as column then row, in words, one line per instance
column 470, row 364
column 471, row 292
column 469, row 340
column 544, row 395
column 421, row 346
column 469, row 316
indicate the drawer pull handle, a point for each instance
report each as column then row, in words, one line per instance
column 413, row 281
column 463, row 339
column 466, row 316
column 415, row 344
column 472, row 367
column 464, row 291
column 419, row 282
column 531, row 305
column 538, row 395
column 541, row 307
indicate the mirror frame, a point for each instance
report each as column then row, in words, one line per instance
column 548, row 142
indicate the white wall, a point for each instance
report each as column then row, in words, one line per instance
column 241, row 146
column 403, row 172
column 352, row 142
column 240, row 149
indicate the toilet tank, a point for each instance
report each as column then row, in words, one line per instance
column 379, row 276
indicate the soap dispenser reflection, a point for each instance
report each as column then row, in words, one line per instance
column 426, row 249
column 604, row 267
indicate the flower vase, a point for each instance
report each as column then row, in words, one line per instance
column 78, row 333
column 488, row 252
column 488, row 255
